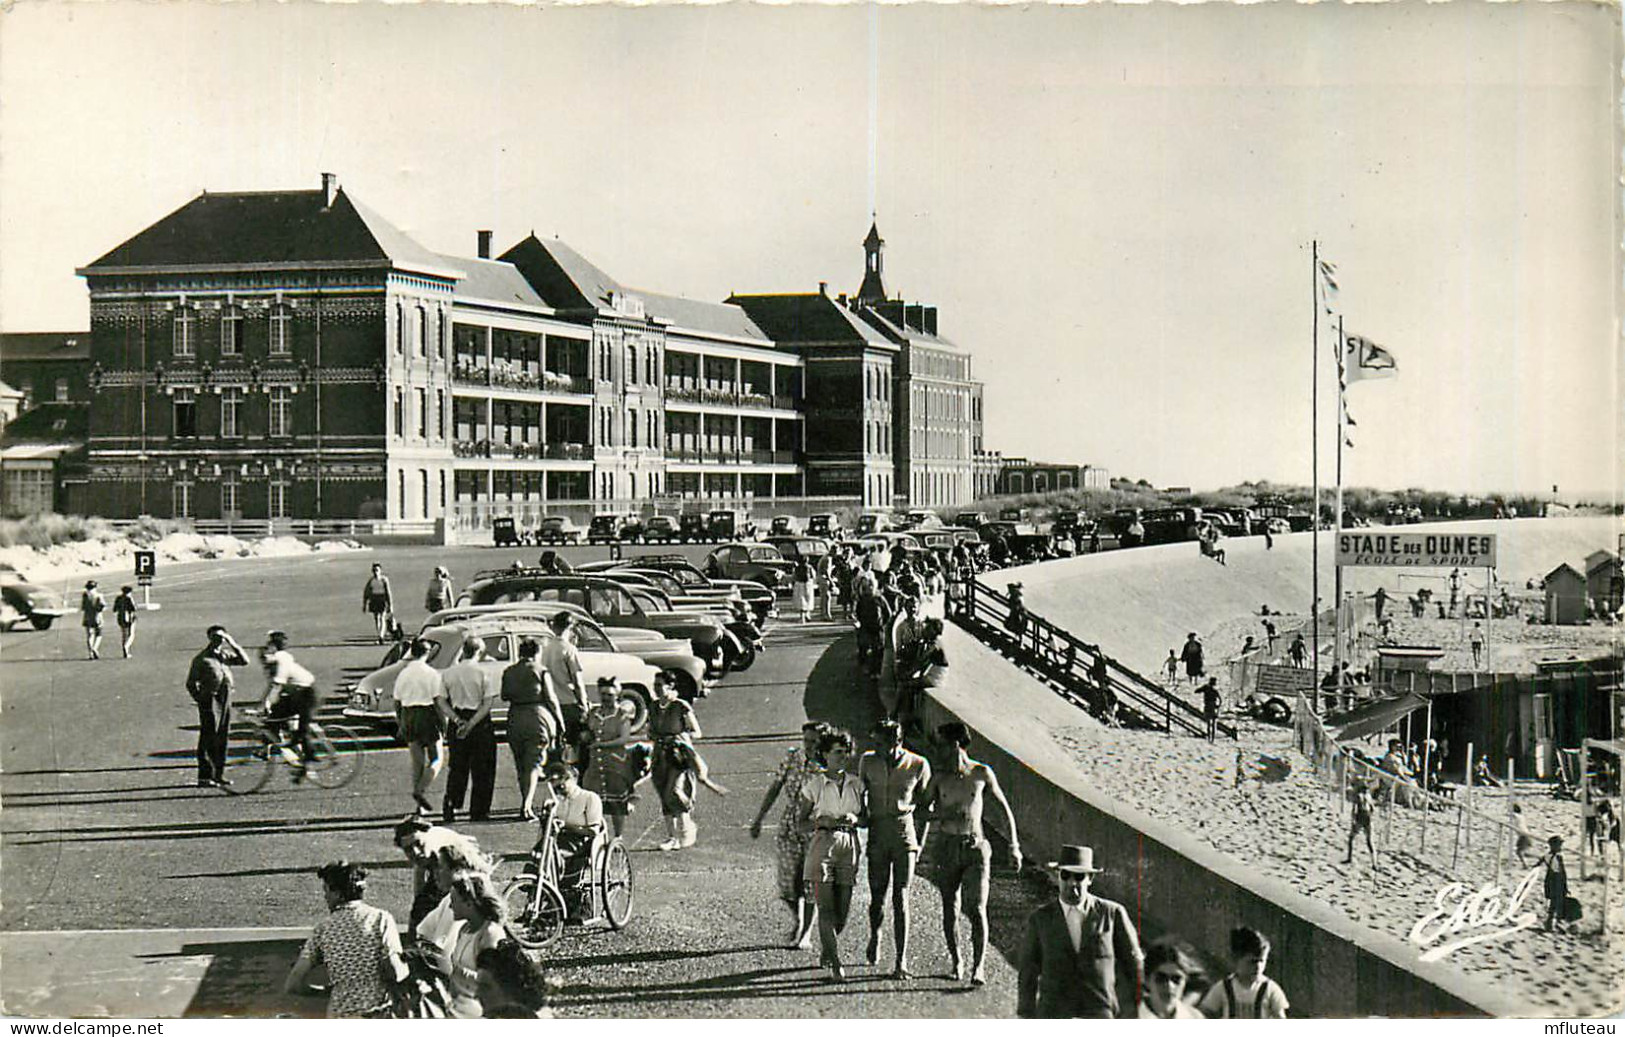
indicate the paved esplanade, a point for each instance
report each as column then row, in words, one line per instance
column 208, row 896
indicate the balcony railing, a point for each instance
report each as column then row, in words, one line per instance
column 526, row 381
column 783, row 402
column 682, row 392
column 522, row 451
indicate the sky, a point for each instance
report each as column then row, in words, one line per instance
column 1112, row 207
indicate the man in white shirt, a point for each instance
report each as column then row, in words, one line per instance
column 290, row 694
column 417, row 687
column 468, row 696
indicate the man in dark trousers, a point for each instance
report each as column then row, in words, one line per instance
column 210, row 684
column 1072, row 948
column 469, row 694
column 1210, row 707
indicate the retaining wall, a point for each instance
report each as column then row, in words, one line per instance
column 1170, row 881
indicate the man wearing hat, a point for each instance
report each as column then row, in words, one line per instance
column 1070, row 953
column 210, row 683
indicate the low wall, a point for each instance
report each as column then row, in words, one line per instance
column 1170, row 881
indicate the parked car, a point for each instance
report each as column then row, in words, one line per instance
column 558, row 529
column 1278, row 526
column 824, row 525
column 919, row 518
column 795, row 548
column 604, row 529
column 784, row 525
column 939, row 541
column 726, row 524
column 672, row 656
column 692, row 528
column 761, row 599
column 610, row 604
column 716, row 601
column 759, row 562
column 1070, row 520
column 873, row 522
column 21, row 600
column 504, row 533
column 969, row 519
column 373, row 697
column 631, row 530
column 661, row 529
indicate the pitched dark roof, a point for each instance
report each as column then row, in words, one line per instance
column 717, row 318
column 561, row 276
column 492, row 281
column 44, row 345
column 900, row 333
column 810, row 318
column 271, row 228
column 50, row 423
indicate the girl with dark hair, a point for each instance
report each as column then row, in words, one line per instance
column 512, row 986
column 1168, row 965
column 356, row 942
column 831, row 803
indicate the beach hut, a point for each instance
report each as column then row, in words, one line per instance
column 1605, row 582
column 1565, row 596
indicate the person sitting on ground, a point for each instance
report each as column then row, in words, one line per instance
column 450, row 854
column 1246, row 993
column 511, row 984
column 1482, row 775
column 356, row 942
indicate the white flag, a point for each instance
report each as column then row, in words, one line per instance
column 1363, row 359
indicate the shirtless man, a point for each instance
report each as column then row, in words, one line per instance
column 961, row 852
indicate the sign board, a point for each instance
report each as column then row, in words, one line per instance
column 1420, row 550
column 146, row 565
column 143, row 580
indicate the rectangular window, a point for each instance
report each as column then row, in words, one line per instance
column 423, row 331
column 281, row 423
column 401, row 482
column 231, row 405
column 184, row 343
column 185, row 412
column 400, row 412
column 423, row 480
column 632, row 428
column 440, row 413
column 400, row 327
column 183, row 498
column 230, row 507
column 281, row 316
column 443, row 491
column 423, row 418
column 231, row 331
column 277, row 502
column 62, row 390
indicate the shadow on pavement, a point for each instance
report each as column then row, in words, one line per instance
column 244, row 980
column 838, row 693
column 302, row 869
column 198, row 829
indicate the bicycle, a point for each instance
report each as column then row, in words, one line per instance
column 334, row 760
column 540, row 903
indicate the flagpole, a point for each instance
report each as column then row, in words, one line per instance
column 1337, row 591
column 1314, row 468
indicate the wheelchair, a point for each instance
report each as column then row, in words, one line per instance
column 546, row 897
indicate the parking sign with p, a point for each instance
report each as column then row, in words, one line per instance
column 146, row 566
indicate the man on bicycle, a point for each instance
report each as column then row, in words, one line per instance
column 290, row 693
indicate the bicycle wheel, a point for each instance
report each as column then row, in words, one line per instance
column 249, row 762
column 535, row 912
column 335, row 757
column 615, row 884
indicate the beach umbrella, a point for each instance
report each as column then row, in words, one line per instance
column 1377, row 715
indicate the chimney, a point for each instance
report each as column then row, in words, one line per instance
column 911, row 317
column 930, row 317
column 330, row 189
column 823, row 288
column 485, row 243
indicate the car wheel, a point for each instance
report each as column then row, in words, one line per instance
column 41, row 622
column 730, row 656
column 745, row 657
column 688, row 689
column 637, row 700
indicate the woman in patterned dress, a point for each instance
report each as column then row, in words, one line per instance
column 608, row 734
column 356, row 942
column 832, row 803
column 800, row 763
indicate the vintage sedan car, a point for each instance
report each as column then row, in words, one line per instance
column 610, row 604
column 673, row 657
column 873, row 522
column 21, row 600
column 717, row 602
column 558, row 529
column 795, row 548
column 920, row 518
column 373, row 697
column 726, row 524
column 940, row 541
column 784, row 525
column 825, row 524
column 605, row 529
column 759, row 562
column 661, row 529
column 761, row 599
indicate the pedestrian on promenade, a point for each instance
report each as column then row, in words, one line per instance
column 894, row 782
column 1246, row 993
column 534, row 719
column 1170, row 667
column 468, row 694
column 801, row 588
column 1168, row 966
column 922, row 667
column 290, row 694
column 1210, row 707
column 1297, row 651
column 831, row 803
column 1072, row 948
column 209, row 682
column 1556, row 883
column 607, row 735
column 960, row 853
column 124, row 611
column 377, row 599
column 411, row 837
column 356, row 943
column 562, row 661
column 1360, row 822
column 418, row 720
column 826, row 585
column 790, row 844
column 874, row 619
column 440, row 594
column 1476, row 639
column 1191, row 656
column 674, row 727
column 1269, row 537
column 91, row 607
column 1269, row 634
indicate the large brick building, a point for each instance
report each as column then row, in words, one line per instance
column 293, row 354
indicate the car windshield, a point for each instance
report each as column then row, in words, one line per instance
column 687, row 577
column 765, row 553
